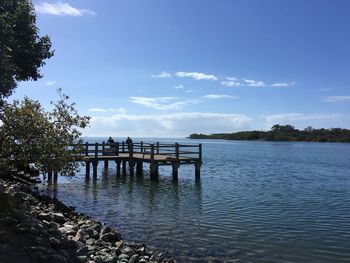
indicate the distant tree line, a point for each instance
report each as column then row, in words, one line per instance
column 283, row 133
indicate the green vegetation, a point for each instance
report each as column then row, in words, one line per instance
column 22, row 51
column 284, row 133
column 29, row 134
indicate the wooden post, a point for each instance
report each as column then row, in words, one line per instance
column 55, row 176
column 49, row 176
column 141, row 148
column 124, row 167
column 197, row 166
column 154, row 165
column 200, row 152
column 131, row 158
column 154, row 170
column 152, row 153
column 123, row 146
column 106, row 164
column 175, row 171
column 103, row 148
column 139, row 168
column 87, row 175
column 117, row 149
column 157, row 147
column 118, row 168
column 94, row 169
column 86, row 149
column 177, row 152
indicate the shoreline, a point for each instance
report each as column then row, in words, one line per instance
column 37, row 228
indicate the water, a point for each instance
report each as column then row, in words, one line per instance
column 255, row 202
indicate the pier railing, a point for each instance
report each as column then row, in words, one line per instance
column 177, row 152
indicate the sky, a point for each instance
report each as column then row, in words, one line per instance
column 162, row 68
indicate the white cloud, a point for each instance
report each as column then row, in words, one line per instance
column 283, row 84
column 195, row 75
column 217, row 96
column 299, row 116
column 97, row 110
column 161, row 103
column 231, row 82
column 163, row 74
column 179, row 87
column 61, row 9
column 167, row 125
column 50, row 83
column 118, row 110
column 337, row 98
column 254, row 83
column 189, row 91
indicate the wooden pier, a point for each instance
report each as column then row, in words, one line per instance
column 134, row 155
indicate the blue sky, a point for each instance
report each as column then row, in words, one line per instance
column 171, row 68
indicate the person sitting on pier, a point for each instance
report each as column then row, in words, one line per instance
column 110, row 140
column 128, row 141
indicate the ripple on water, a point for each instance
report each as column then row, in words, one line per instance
column 256, row 202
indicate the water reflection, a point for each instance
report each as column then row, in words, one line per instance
column 256, row 202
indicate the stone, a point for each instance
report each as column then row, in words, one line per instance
column 59, row 218
column 123, row 256
column 45, row 216
column 69, row 230
column 128, row 251
column 111, row 237
column 55, row 242
column 81, row 259
column 134, row 259
column 106, row 230
column 57, row 259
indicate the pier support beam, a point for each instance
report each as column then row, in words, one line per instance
column 124, row 167
column 106, row 164
column 118, row 168
column 197, row 166
column 94, row 168
column 87, row 167
column 154, row 170
column 139, row 168
column 131, row 167
column 175, row 171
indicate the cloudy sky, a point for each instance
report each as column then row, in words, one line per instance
column 171, row 68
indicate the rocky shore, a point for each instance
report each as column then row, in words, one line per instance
column 35, row 228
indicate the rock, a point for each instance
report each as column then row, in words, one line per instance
column 119, row 244
column 111, row 237
column 57, row 259
column 55, row 242
column 134, row 259
column 69, row 230
column 59, row 218
column 110, row 259
column 123, row 256
column 106, row 230
column 128, row 251
column 45, row 216
column 81, row 259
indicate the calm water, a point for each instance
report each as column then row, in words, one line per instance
column 255, row 202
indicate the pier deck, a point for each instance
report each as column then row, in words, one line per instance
column 136, row 154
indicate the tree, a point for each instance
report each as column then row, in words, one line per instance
column 22, row 51
column 29, row 134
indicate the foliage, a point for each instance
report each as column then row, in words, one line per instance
column 284, row 133
column 22, row 51
column 30, row 134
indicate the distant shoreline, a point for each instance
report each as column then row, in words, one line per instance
column 283, row 133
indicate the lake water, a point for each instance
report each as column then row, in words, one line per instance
column 255, row 202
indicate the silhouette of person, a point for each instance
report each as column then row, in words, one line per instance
column 110, row 140
column 128, row 141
